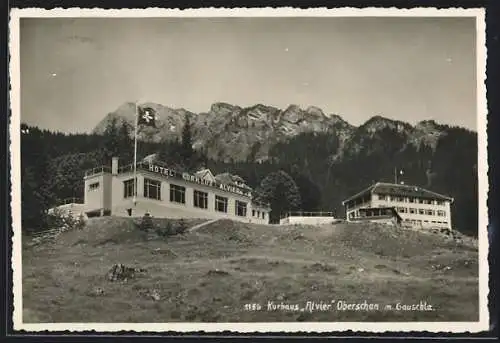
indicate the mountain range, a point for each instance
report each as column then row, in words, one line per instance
column 232, row 133
column 327, row 157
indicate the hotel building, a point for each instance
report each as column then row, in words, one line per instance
column 417, row 207
column 166, row 193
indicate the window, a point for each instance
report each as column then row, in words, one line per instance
column 94, row 186
column 441, row 203
column 152, row 189
column 241, row 208
column 253, row 213
column 263, row 215
column 429, row 212
column 393, row 198
column 401, row 199
column 220, row 204
column 420, row 201
column 200, row 199
column 128, row 188
column 382, row 197
column 441, row 213
column 413, row 210
column 412, row 199
column 421, row 211
column 177, row 194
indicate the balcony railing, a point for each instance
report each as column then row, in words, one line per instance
column 98, row 170
column 261, row 204
column 67, row 201
column 72, row 200
column 307, row 214
column 140, row 166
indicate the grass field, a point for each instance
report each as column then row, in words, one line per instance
column 212, row 274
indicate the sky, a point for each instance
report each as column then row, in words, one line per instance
column 74, row 71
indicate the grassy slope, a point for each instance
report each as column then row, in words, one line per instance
column 211, row 273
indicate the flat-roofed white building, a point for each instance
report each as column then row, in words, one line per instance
column 167, row 193
column 415, row 205
column 308, row 218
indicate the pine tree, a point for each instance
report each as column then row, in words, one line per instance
column 111, row 144
column 281, row 191
column 37, row 195
column 187, row 140
column 125, row 143
column 310, row 193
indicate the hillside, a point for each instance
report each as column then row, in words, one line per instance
column 209, row 274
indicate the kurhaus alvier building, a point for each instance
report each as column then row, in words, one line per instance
column 166, row 193
column 415, row 205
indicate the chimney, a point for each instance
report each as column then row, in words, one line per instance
column 114, row 166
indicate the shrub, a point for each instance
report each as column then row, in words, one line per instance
column 181, row 227
column 55, row 219
column 58, row 219
column 81, row 222
column 165, row 231
column 146, row 223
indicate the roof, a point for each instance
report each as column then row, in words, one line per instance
column 231, row 179
column 205, row 174
column 150, row 158
column 400, row 190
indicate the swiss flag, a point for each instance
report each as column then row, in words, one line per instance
column 147, row 116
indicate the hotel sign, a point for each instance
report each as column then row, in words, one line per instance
column 192, row 178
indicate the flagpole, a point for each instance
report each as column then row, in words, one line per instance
column 395, row 176
column 135, row 153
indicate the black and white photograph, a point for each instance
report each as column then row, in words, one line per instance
column 250, row 170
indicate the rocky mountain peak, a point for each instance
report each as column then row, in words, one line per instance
column 378, row 122
column 315, row 112
column 293, row 108
column 427, row 132
column 223, row 108
column 292, row 114
column 230, row 132
column 428, row 125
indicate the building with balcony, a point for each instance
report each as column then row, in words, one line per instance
column 167, row 193
column 416, row 206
